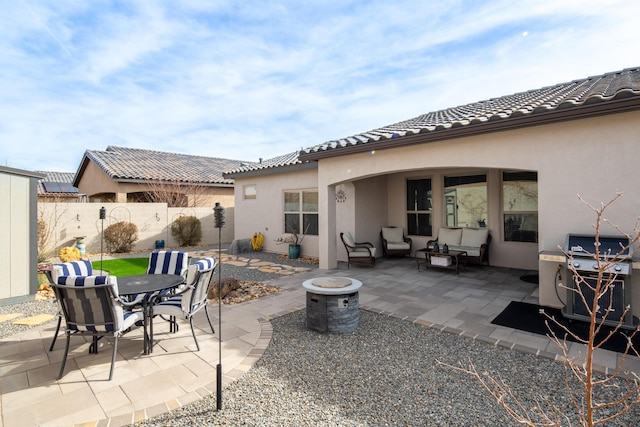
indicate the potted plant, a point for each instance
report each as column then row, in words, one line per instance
column 293, row 240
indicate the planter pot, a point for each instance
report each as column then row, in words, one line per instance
column 294, row 251
column 81, row 245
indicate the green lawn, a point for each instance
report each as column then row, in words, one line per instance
column 123, row 266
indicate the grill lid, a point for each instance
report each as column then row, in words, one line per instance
column 585, row 245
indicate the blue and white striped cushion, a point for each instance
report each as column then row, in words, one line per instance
column 91, row 312
column 168, row 262
column 206, row 263
column 72, row 268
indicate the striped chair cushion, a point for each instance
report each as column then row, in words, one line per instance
column 72, row 268
column 94, row 310
column 168, row 262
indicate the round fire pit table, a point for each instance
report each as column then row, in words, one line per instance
column 332, row 304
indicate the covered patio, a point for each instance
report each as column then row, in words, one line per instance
column 175, row 375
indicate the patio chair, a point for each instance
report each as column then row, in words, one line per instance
column 91, row 306
column 72, row 268
column 168, row 262
column 190, row 300
column 394, row 242
column 358, row 252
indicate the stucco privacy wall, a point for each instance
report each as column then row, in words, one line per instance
column 594, row 157
column 18, row 233
column 265, row 213
column 153, row 220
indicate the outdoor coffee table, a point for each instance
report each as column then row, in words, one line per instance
column 147, row 284
column 450, row 260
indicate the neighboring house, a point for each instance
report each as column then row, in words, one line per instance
column 58, row 187
column 132, row 175
column 18, row 234
column 514, row 164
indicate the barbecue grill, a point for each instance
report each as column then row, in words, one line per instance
column 586, row 255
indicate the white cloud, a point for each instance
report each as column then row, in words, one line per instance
column 244, row 80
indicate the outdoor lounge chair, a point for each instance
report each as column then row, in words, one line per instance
column 91, row 306
column 358, row 252
column 72, row 268
column 394, row 241
column 188, row 302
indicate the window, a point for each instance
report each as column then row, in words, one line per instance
column 249, row 192
column 465, row 201
column 520, row 206
column 419, row 207
column 301, row 207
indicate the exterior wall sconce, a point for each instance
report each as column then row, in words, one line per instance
column 157, row 217
column 78, row 217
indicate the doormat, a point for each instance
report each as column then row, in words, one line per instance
column 526, row 317
column 530, row 278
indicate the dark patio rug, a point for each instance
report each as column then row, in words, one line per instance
column 526, row 317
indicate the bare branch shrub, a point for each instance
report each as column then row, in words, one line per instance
column 47, row 224
column 175, row 194
column 588, row 409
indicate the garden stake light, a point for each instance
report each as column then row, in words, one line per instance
column 219, row 223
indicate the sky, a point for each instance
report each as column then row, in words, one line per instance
column 245, row 80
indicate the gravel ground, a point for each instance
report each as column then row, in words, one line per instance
column 384, row 374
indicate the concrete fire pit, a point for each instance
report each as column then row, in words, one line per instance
column 332, row 304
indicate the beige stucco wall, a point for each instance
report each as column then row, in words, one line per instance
column 592, row 157
column 265, row 213
column 70, row 220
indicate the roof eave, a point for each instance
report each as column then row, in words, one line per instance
column 272, row 170
column 554, row 116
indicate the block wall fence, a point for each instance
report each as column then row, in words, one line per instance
column 70, row 220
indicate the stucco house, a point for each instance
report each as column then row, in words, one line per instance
column 122, row 175
column 513, row 164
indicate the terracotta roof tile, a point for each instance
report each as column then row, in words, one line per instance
column 131, row 164
column 575, row 94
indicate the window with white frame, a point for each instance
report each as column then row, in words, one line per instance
column 249, row 192
column 520, row 206
column 301, row 212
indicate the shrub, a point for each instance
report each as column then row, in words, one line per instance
column 187, row 230
column 69, row 253
column 121, row 236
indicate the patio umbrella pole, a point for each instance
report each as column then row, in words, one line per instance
column 219, row 223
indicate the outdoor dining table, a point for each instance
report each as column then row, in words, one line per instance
column 147, row 284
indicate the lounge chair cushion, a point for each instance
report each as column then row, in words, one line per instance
column 474, row 237
column 398, row 246
column 450, row 236
column 363, row 252
column 393, row 235
column 348, row 239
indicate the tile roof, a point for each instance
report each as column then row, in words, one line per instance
column 131, row 164
column 59, row 178
column 615, row 91
column 289, row 159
